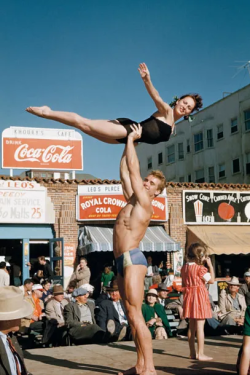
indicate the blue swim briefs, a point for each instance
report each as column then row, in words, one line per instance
column 129, row 258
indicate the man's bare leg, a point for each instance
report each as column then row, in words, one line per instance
column 132, row 292
column 96, row 128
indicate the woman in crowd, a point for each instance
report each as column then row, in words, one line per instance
column 196, row 304
column 47, row 293
column 155, row 316
column 157, row 128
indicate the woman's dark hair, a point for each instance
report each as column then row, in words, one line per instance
column 46, row 281
column 196, row 97
column 195, row 253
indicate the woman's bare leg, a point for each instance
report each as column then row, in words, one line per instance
column 191, row 338
column 245, row 356
column 132, row 299
column 96, row 128
column 200, row 341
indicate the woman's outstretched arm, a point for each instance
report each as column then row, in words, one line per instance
column 162, row 107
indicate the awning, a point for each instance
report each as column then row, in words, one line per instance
column 94, row 238
column 233, row 239
column 31, row 231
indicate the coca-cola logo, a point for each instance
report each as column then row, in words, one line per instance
column 53, row 154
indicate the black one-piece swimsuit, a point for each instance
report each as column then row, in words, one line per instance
column 153, row 130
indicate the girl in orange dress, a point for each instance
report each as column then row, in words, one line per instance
column 196, row 305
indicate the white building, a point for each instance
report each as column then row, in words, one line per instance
column 214, row 147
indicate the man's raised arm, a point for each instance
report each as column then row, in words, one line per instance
column 134, row 166
column 124, row 176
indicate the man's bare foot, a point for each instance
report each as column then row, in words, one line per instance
column 204, row 357
column 136, row 370
column 39, row 111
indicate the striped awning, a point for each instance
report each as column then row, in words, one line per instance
column 93, row 238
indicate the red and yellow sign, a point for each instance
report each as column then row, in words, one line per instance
column 69, row 254
column 31, row 153
column 107, row 207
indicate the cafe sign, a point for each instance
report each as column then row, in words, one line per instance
column 25, row 202
column 203, row 207
column 104, row 202
column 37, row 148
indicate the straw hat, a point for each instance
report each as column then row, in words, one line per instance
column 234, row 281
column 152, row 292
column 12, row 304
column 247, row 273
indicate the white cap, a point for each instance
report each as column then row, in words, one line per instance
column 37, row 287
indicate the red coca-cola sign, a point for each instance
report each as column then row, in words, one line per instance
column 29, row 152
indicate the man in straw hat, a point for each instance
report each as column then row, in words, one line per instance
column 13, row 307
column 245, row 288
column 232, row 304
column 130, row 227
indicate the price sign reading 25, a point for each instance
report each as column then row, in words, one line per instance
column 36, row 212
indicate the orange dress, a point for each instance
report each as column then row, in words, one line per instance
column 196, row 304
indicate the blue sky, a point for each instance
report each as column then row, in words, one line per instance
column 83, row 55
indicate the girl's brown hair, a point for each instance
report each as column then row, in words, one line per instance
column 195, row 252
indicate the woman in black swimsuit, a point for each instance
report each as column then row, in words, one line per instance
column 155, row 129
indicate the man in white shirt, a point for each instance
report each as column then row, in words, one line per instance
column 4, row 275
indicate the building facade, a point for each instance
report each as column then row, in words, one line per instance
column 214, row 147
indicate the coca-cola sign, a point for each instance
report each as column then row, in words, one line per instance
column 54, row 149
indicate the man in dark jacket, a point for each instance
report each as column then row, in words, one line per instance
column 80, row 319
column 44, row 266
column 110, row 313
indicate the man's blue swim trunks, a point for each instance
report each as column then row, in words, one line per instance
column 129, row 258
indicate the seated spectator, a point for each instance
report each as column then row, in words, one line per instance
column 106, row 277
column 245, row 288
column 70, row 289
column 34, row 321
column 47, row 293
column 4, row 275
column 55, row 327
column 155, row 316
column 79, row 317
column 13, row 308
column 166, row 271
column 232, row 304
column 27, row 287
column 81, row 274
column 110, row 314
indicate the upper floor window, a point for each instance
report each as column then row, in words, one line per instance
column 150, row 163
column 247, row 119
column 220, row 133
column 236, row 165
column 199, row 175
column 198, row 141
column 181, row 179
column 189, row 178
column 180, row 151
column 160, row 158
column 222, row 170
column 211, row 175
column 210, row 140
column 170, row 154
column 234, row 125
column 188, row 146
column 248, row 163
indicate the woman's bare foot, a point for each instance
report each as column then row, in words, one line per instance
column 136, row 370
column 204, row 357
column 39, row 111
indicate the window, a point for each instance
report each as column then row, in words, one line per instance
column 210, row 140
column 236, row 165
column 171, row 154
column 181, row 179
column 222, row 170
column 247, row 119
column 248, row 163
column 220, row 134
column 150, row 163
column 199, row 175
column 198, row 142
column 160, row 159
column 188, row 146
column 211, row 176
column 189, row 178
column 44, row 175
column 234, row 125
column 180, row 151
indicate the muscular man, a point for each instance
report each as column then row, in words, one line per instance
column 129, row 229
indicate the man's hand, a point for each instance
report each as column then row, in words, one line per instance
column 144, row 72
column 136, row 133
